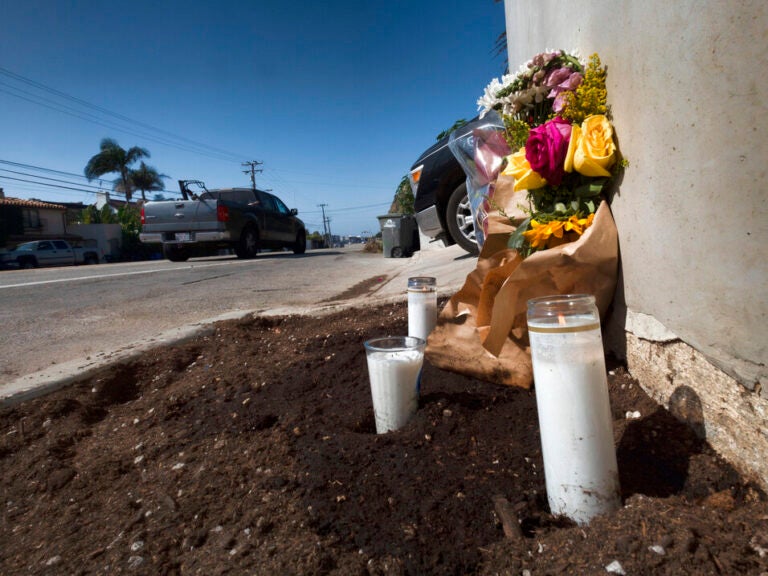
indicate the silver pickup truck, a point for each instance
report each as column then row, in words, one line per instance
column 47, row 253
column 201, row 223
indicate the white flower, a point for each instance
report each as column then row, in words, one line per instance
column 489, row 100
column 507, row 79
column 512, row 104
column 539, row 93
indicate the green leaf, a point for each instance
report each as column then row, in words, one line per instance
column 516, row 239
column 590, row 189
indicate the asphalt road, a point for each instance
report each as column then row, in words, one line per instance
column 58, row 324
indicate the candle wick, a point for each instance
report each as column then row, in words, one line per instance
column 561, row 319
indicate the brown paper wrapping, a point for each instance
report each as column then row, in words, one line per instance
column 482, row 331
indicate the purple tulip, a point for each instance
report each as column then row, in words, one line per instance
column 561, row 79
column 544, row 58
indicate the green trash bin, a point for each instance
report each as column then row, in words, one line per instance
column 398, row 232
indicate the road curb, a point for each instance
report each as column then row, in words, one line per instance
column 56, row 377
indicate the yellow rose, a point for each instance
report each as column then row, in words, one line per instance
column 591, row 151
column 519, row 168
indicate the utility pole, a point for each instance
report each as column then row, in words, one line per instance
column 326, row 226
column 252, row 170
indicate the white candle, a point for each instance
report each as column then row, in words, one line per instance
column 574, row 410
column 394, row 368
column 422, row 306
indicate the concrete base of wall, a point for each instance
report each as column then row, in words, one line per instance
column 733, row 419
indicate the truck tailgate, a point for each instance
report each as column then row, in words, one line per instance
column 181, row 216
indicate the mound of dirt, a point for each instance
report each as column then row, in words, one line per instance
column 253, row 451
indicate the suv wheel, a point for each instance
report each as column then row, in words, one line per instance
column 458, row 218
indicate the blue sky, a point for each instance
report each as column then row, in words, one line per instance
column 336, row 98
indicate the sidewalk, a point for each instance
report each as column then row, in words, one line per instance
column 449, row 265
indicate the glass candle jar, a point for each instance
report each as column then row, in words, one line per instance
column 422, row 306
column 574, row 410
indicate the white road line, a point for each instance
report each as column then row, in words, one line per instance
column 118, row 274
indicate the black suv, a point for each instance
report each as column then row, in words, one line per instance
column 440, row 194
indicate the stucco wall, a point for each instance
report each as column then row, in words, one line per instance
column 52, row 222
column 108, row 238
column 689, row 95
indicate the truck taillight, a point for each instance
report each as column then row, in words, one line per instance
column 222, row 213
column 143, row 218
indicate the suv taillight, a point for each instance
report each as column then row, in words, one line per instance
column 222, row 213
column 143, row 218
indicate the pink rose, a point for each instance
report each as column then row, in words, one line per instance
column 546, row 148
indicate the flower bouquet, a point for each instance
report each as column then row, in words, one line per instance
column 561, row 157
column 564, row 153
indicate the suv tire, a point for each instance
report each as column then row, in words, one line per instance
column 458, row 219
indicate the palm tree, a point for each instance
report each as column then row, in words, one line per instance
column 113, row 158
column 146, row 179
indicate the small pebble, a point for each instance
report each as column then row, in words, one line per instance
column 135, row 561
column 615, row 567
column 657, row 549
column 633, row 415
column 52, row 561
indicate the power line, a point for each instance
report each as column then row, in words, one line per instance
column 95, row 120
column 83, row 187
column 350, row 208
column 41, row 169
column 170, row 138
column 51, row 185
column 46, row 178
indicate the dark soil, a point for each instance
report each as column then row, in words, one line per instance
column 253, row 451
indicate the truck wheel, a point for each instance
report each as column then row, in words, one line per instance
column 91, row 259
column 248, row 246
column 301, row 243
column 175, row 253
column 458, row 218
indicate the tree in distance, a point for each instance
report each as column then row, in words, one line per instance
column 146, row 179
column 113, row 158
